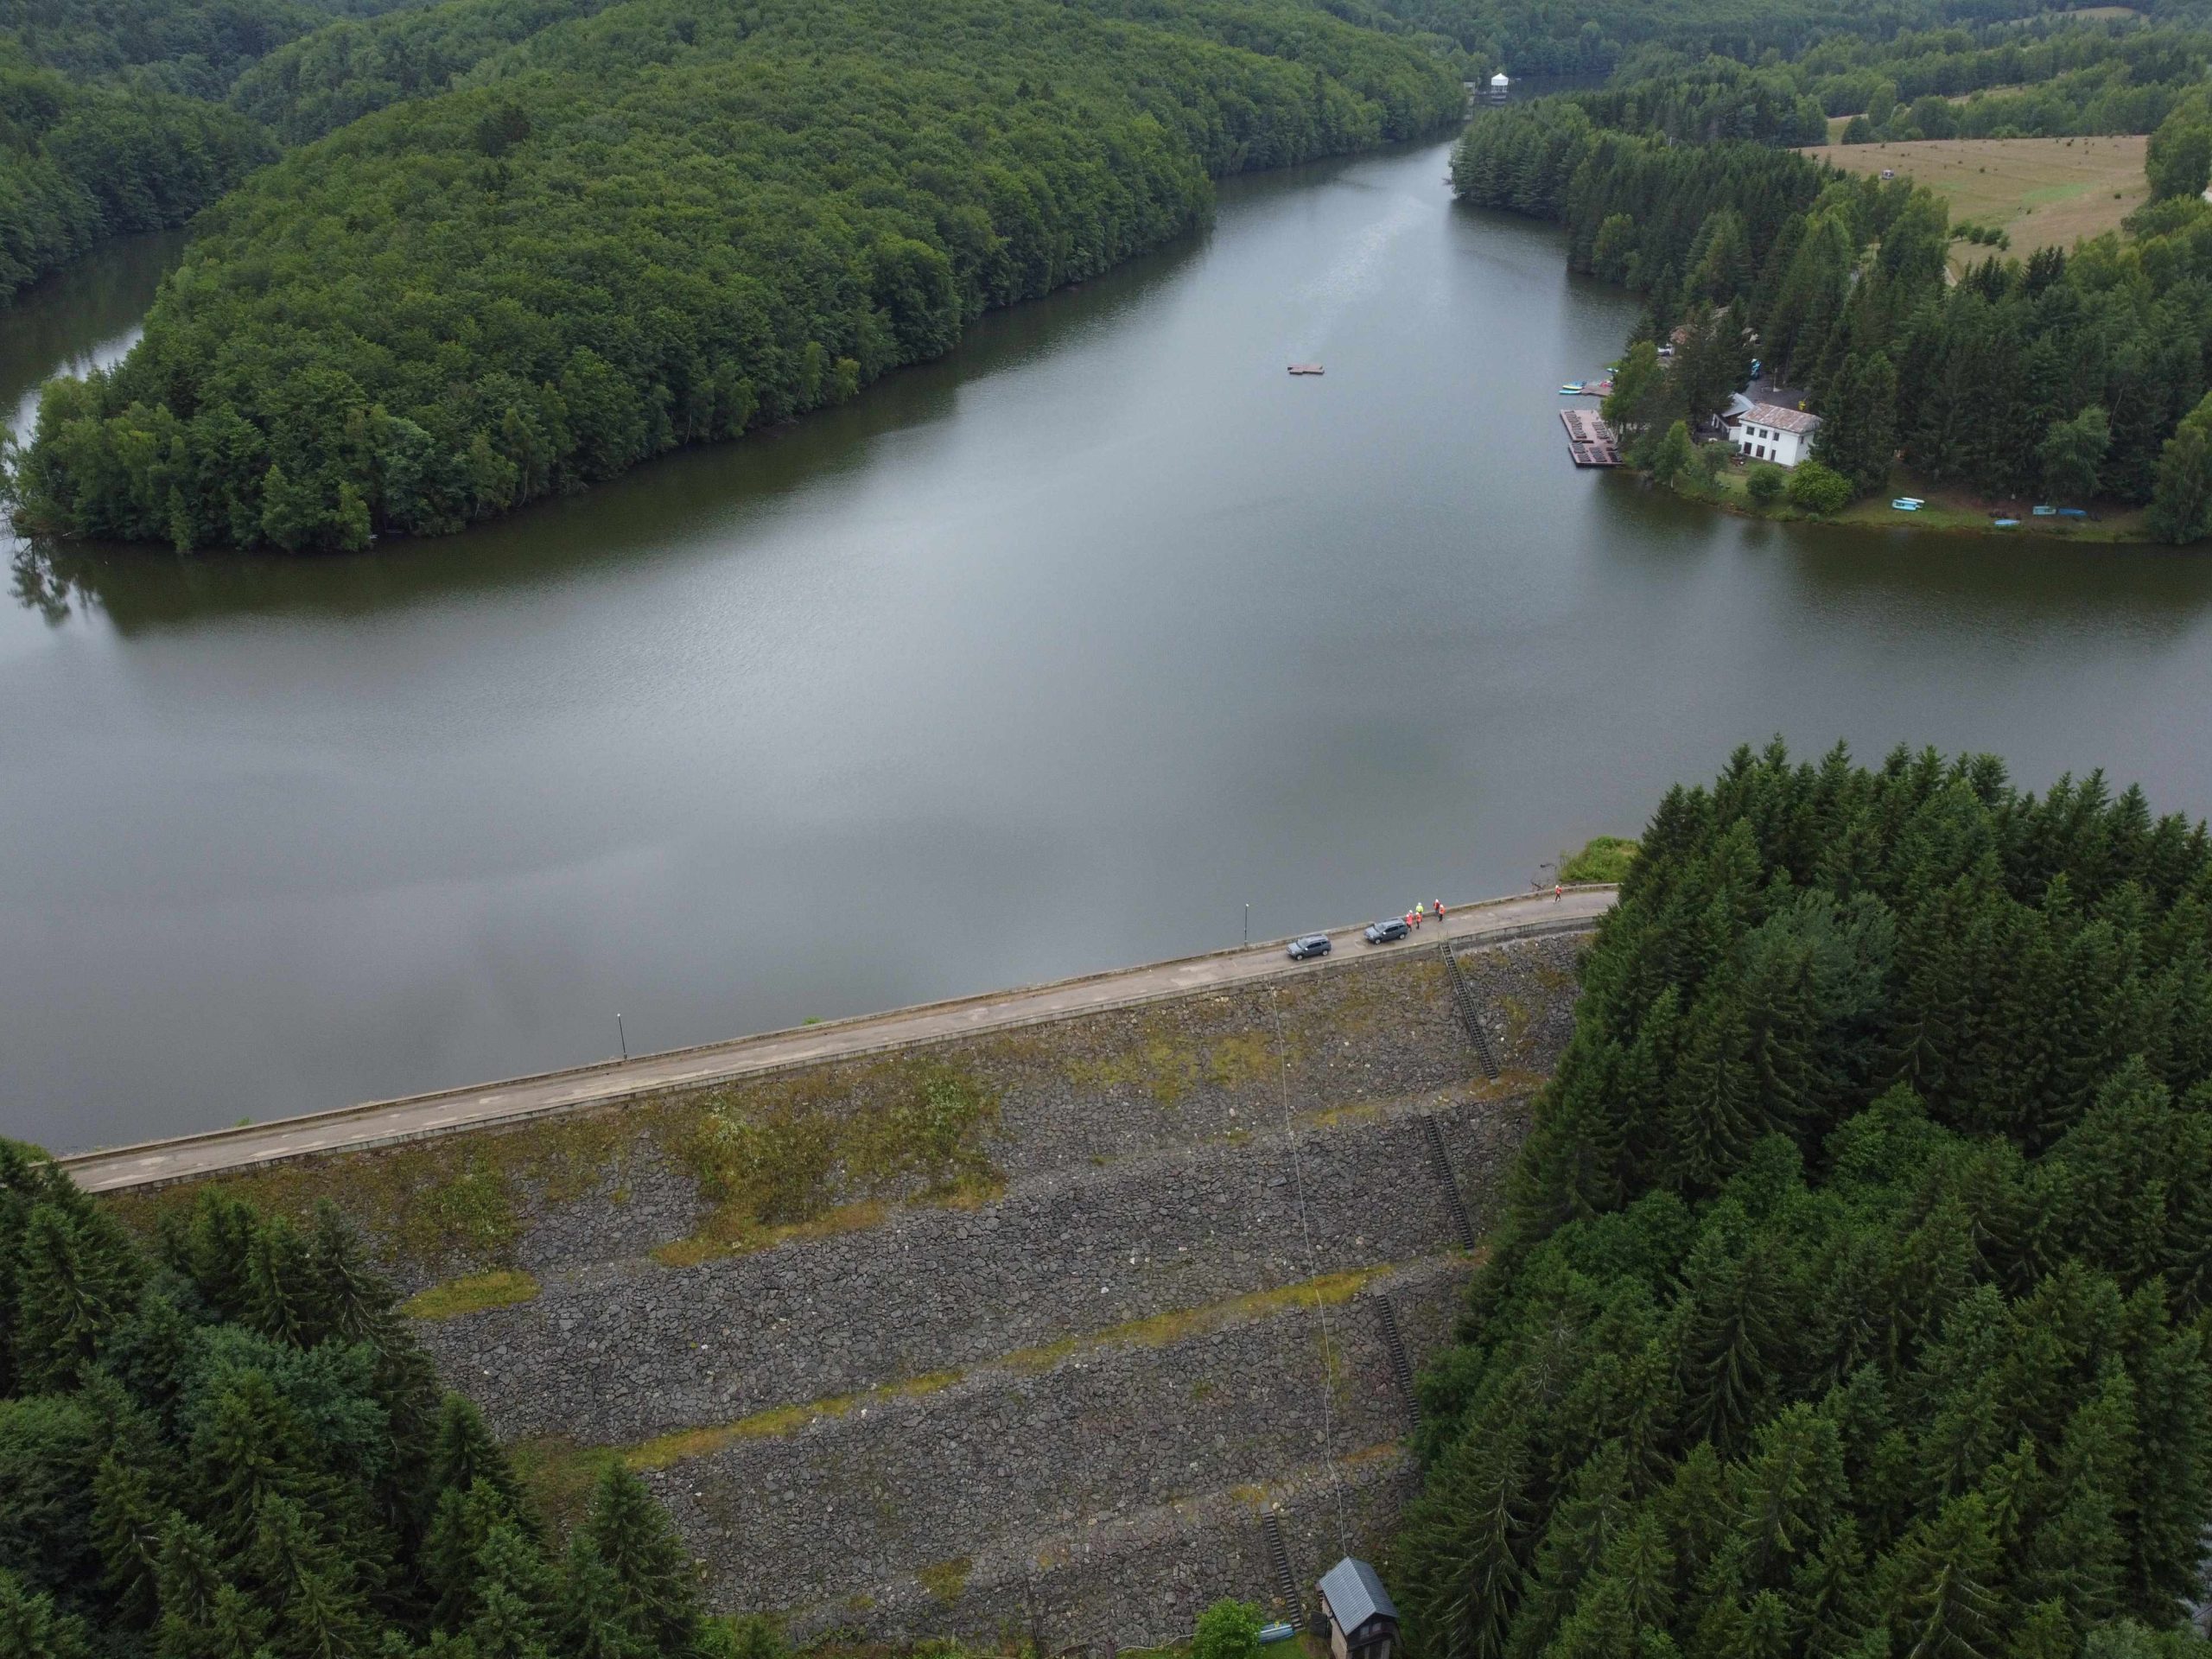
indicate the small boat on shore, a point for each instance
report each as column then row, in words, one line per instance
column 2004, row 524
column 1570, row 389
column 1305, row 368
column 1907, row 504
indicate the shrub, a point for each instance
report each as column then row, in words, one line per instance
column 1227, row 1630
column 1817, row 489
column 1766, row 483
column 1605, row 858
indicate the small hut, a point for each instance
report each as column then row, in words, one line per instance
column 1362, row 1622
column 1498, row 87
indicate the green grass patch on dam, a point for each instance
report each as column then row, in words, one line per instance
column 792, row 1164
column 802, row 1154
column 503, row 1288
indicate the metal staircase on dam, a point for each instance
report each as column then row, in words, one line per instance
column 1279, row 1559
column 1462, row 1224
column 1470, row 1014
column 1401, row 1367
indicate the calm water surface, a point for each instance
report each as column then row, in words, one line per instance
column 1046, row 658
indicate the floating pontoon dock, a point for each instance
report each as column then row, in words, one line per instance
column 1589, row 440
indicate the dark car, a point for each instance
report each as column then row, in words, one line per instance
column 1385, row 932
column 1313, row 944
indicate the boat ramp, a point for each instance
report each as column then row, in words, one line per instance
column 1589, row 440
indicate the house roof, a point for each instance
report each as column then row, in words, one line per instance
column 1786, row 420
column 1355, row 1594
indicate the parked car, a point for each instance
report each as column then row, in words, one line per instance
column 1313, row 944
column 1384, row 932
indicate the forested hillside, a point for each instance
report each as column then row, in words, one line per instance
column 111, row 118
column 2059, row 377
column 1853, row 1296
column 1533, row 37
column 656, row 227
column 234, row 1448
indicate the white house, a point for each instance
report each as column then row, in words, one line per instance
column 1498, row 86
column 1767, row 432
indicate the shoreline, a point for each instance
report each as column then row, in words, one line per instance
column 1936, row 520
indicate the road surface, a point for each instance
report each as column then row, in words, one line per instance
column 383, row 1123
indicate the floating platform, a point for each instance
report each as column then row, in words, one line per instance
column 1589, row 440
column 1306, row 368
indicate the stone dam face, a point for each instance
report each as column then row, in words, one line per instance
column 1020, row 1334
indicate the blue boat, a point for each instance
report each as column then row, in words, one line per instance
column 1570, row 389
column 2043, row 512
column 1277, row 1632
column 2004, row 524
column 1907, row 503
column 2073, row 513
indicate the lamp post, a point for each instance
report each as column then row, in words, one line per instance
column 1247, row 927
column 622, row 1036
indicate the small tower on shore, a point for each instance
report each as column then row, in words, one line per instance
column 1498, row 87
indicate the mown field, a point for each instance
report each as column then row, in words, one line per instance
column 2043, row 192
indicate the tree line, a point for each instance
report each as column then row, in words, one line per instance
column 229, row 1447
column 113, row 116
column 658, row 226
column 2072, row 376
column 1534, row 37
column 80, row 164
column 1852, row 1295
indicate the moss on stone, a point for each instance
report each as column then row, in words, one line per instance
column 502, row 1289
column 946, row 1581
column 1161, row 1330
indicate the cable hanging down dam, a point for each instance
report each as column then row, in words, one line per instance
column 1069, row 1310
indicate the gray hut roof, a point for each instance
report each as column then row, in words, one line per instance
column 1355, row 1594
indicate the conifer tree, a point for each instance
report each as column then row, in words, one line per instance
column 30, row 1629
column 72, row 1293
column 631, row 1534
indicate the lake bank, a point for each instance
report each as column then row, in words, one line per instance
column 1946, row 512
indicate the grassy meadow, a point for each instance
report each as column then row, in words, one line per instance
column 2043, row 192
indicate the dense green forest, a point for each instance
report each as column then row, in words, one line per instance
column 2075, row 376
column 79, row 163
column 113, row 117
column 655, row 226
column 233, row 1448
column 1536, row 37
column 1852, row 1297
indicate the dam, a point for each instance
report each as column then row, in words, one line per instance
column 1061, row 1314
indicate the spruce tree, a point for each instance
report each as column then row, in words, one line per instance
column 30, row 1629
column 631, row 1534
column 73, row 1290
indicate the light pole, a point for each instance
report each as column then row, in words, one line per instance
column 1247, row 927
column 622, row 1036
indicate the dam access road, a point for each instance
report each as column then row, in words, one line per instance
column 386, row 1122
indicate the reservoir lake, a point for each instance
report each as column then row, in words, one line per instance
column 1050, row 657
